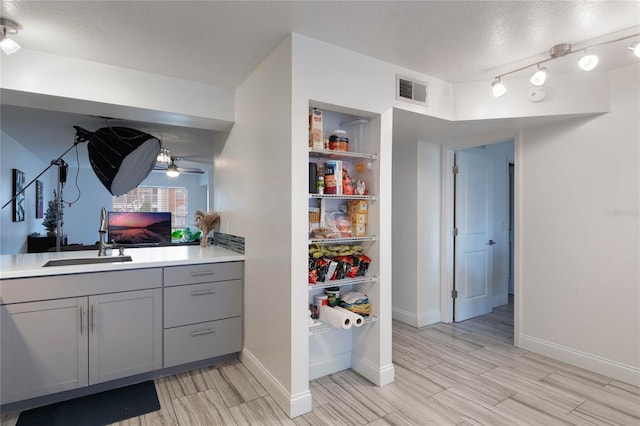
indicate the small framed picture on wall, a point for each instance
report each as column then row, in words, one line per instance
column 39, row 199
column 18, row 201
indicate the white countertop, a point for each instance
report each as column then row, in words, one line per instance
column 30, row 265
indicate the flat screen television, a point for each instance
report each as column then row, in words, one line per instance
column 139, row 227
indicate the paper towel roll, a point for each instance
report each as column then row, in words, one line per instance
column 356, row 320
column 335, row 318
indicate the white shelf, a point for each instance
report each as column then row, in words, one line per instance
column 320, row 327
column 346, row 281
column 345, row 197
column 342, row 240
column 340, row 154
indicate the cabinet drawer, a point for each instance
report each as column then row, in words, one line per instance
column 202, row 341
column 188, row 304
column 204, row 273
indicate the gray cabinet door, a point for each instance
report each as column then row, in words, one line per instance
column 125, row 334
column 43, row 348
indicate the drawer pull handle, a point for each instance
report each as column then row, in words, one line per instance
column 201, row 292
column 201, row 332
column 202, row 273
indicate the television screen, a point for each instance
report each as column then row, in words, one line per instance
column 139, row 227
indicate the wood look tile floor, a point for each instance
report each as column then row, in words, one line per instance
column 467, row 373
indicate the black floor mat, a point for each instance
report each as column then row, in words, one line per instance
column 98, row 409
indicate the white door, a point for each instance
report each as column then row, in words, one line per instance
column 473, row 279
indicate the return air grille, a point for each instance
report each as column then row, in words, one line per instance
column 411, row 90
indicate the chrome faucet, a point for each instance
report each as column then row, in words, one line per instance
column 102, row 244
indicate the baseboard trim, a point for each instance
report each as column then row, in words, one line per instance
column 416, row 320
column 334, row 364
column 615, row 370
column 378, row 376
column 503, row 299
column 293, row 405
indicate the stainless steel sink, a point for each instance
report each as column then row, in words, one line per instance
column 87, row 260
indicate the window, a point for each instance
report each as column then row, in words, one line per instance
column 155, row 199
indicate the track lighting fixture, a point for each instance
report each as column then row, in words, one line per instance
column 587, row 62
column 7, row 26
column 498, row 88
column 539, row 77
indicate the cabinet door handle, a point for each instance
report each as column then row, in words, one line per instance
column 201, row 292
column 93, row 319
column 201, row 332
column 81, row 321
column 202, row 273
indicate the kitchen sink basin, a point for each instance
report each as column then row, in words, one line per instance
column 87, row 260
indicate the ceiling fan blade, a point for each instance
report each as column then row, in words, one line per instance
column 190, row 170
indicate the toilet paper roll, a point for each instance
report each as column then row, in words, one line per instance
column 356, row 320
column 335, row 318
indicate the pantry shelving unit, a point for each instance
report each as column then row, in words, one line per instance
column 359, row 348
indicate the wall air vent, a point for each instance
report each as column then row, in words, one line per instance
column 411, row 90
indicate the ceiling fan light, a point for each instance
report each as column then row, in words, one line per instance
column 588, row 62
column 172, row 171
column 539, row 77
column 9, row 46
column 498, row 88
column 635, row 48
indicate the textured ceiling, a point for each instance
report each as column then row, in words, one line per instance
column 222, row 42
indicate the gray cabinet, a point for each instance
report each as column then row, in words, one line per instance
column 202, row 312
column 51, row 346
column 125, row 334
column 44, row 348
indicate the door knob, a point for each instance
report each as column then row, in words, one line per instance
column 491, row 242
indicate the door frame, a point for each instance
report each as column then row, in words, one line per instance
column 447, row 239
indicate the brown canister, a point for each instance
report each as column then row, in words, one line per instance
column 338, row 141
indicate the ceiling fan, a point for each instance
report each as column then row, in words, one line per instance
column 168, row 164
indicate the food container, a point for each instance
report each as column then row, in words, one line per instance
column 313, row 174
column 315, row 129
column 333, row 294
column 321, row 300
column 358, row 134
column 338, row 141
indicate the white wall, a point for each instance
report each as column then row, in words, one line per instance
column 404, row 236
column 13, row 235
column 79, row 86
column 578, row 237
column 576, row 93
column 416, row 232
column 253, row 186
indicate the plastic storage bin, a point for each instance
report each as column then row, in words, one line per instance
column 358, row 133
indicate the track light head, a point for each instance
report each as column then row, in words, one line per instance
column 539, row 77
column 588, row 62
column 7, row 26
column 498, row 88
column 635, row 48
